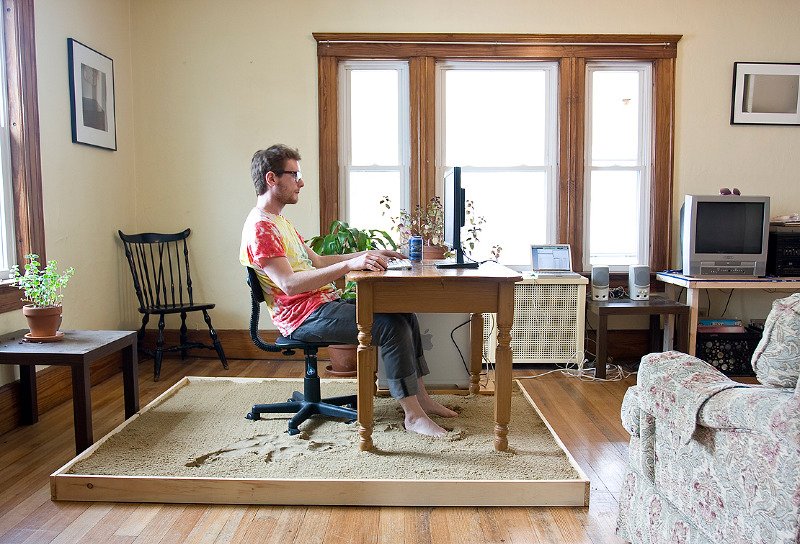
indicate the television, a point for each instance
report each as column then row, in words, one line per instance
column 724, row 235
column 454, row 217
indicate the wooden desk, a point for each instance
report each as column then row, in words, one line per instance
column 78, row 350
column 655, row 306
column 693, row 284
column 425, row 288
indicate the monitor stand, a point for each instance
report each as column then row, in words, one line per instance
column 459, row 262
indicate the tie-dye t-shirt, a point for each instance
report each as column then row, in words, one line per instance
column 267, row 235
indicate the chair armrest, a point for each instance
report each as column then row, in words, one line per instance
column 673, row 386
column 770, row 411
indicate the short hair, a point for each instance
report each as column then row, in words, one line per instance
column 271, row 159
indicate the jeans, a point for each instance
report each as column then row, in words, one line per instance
column 396, row 335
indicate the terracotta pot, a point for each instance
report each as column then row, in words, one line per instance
column 433, row 253
column 343, row 360
column 43, row 322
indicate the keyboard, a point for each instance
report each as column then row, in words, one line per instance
column 555, row 274
column 399, row 264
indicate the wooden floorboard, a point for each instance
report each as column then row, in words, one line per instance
column 584, row 414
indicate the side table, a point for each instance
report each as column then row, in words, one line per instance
column 78, row 350
column 655, row 306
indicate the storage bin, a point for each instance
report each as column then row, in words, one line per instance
column 730, row 353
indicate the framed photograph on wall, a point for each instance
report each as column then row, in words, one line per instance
column 91, row 92
column 765, row 93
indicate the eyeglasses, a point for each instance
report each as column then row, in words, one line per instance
column 726, row 191
column 294, row 173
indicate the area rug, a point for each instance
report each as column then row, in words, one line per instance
column 196, row 432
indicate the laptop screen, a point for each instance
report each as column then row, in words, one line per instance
column 553, row 257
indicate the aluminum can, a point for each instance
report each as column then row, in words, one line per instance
column 415, row 248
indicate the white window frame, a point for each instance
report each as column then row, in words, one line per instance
column 8, row 251
column 644, row 166
column 551, row 154
column 345, row 141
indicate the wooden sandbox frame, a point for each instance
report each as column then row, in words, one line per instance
column 360, row 492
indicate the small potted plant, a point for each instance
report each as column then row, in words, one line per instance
column 42, row 289
column 428, row 222
column 342, row 239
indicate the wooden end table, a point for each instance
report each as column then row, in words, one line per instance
column 655, row 306
column 78, row 350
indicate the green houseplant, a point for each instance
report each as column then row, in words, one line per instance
column 42, row 288
column 342, row 239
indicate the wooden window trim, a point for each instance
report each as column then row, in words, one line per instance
column 18, row 18
column 572, row 51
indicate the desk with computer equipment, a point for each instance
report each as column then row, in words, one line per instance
column 693, row 284
column 426, row 288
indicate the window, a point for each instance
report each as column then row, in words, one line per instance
column 22, row 201
column 498, row 122
column 8, row 257
column 527, row 118
column 617, row 186
column 375, row 142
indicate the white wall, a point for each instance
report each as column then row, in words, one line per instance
column 217, row 81
column 88, row 192
column 210, row 82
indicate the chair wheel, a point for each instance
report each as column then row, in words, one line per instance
column 293, row 432
column 253, row 417
column 349, row 421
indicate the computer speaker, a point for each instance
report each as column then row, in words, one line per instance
column 599, row 283
column 639, row 282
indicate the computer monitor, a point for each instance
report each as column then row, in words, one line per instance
column 454, row 218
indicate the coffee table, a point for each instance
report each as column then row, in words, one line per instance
column 78, row 350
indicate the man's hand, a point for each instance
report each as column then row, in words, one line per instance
column 370, row 260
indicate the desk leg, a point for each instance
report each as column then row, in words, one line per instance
column 476, row 352
column 683, row 330
column 367, row 365
column 693, row 301
column 130, row 379
column 602, row 345
column 502, row 370
column 30, row 404
column 82, row 406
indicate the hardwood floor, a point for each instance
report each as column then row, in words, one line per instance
column 584, row 414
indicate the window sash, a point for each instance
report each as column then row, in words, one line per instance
column 345, row 134
column 641, row 168
column 550, row 164
column 8, row 257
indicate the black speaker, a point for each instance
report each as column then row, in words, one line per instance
column 639, row 282
column 600, row 282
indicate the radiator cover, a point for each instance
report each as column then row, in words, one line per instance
column 549, row 318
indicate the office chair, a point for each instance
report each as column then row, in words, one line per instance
column 309, row 402
column 159, row 264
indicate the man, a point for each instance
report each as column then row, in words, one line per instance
column 303, row 302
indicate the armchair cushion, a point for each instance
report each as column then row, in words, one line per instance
column 776, row 360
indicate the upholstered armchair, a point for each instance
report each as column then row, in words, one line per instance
column 710, row 459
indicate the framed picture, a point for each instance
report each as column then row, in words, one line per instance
column 91, row 92
column 765, row 93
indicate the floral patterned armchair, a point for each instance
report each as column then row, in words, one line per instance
column 710, row 459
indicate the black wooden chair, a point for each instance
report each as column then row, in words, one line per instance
column 160, row 267
column 309, row 402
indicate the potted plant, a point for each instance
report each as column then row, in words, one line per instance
column 43, row 290
column 342, row 239
column 428, row 222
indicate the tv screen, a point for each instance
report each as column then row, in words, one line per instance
column 729, row 227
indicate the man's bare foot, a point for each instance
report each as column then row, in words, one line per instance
column 424, row 426
column 433, row 408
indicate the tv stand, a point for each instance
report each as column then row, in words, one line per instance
column 693, row 284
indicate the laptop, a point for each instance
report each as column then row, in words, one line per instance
column 552, row 261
